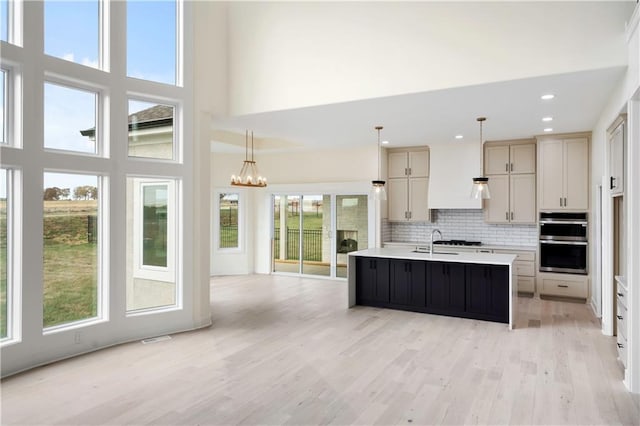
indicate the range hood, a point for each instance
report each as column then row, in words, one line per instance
column 452, row 166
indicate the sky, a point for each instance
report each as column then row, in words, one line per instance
column 72, row 33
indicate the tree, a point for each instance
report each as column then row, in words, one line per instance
column 85, row 192
column 54, row 193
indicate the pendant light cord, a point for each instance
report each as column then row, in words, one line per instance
column 481, row 120
column 378, row 128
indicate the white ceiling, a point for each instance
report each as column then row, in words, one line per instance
column 513, row 110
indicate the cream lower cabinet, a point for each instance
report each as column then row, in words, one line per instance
column 622, row 323
column 525, row 266
column 563, row 173
column 564, row 285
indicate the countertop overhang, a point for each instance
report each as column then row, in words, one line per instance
column 403, row 253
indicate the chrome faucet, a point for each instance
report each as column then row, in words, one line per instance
column 431, row 245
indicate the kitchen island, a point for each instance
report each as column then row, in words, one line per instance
column 468, row 285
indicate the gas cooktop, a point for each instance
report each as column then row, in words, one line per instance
column 458, row 242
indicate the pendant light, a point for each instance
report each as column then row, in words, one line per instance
column 249, row 175
column 377, row 186
column 480, row 188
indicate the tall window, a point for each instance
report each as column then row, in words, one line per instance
column 152, row 34
column 4, row 263
column 3, row 106
column 4, row 20
column 151, row 243
column 228, row 220
column 71, row 247
column 63, row 151
column 71, row 31
column 70, row 118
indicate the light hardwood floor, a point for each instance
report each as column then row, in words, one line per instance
column 285, row 350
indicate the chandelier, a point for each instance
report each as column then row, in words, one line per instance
column 249, row 175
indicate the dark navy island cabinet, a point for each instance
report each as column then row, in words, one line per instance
column 465, row 290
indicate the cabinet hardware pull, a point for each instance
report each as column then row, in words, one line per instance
column 506, row 215
column 565, row 201
column 611, row 182
column 621, row 294
column 620, row 345
column 506, row 167
column 409, row 171
column 563, row 285
column 405, row 171
column 511, row 166
column 560, row 201
column 620, row 317
column 511, row 215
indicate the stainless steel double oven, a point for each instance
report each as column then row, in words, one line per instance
column 564, row 242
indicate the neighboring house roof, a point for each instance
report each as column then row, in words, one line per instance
column 156, row 116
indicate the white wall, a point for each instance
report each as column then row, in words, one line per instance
column 293, row 54
column 319, row 171
column 621, row 100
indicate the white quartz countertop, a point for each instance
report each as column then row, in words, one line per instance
column 483, row 246
column 404, row 253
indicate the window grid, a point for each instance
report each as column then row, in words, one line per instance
column 77, row 76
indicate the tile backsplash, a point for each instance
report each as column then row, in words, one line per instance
column 461, row 224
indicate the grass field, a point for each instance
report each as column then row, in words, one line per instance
column 70, row 262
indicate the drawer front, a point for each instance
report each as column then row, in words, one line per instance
column 621, row 293
column 564, row 288
column 526, row 256
column 524, row 268
column 526, row 284
column 622, row 315
column 622, row 349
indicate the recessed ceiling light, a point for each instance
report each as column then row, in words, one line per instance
column 547, row 118
column 384, row 142
column 459, row 136
column 548, row 129
column 547, row 96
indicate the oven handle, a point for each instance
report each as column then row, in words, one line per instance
column 563, row 222
column 571, row 243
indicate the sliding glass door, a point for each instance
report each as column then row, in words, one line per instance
column 312, row 234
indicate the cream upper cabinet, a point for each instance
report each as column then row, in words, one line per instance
column 419, row 199
column 576, row 174
column 511, row 158
column 617, row 134
column 418, row 164
column 523, row 198
column 398, row 165
column 563, row 174
column 397, row 196
column 523, row 158
column 408, row 185
column 496, row 159
column 510, row 167
column 496, row 209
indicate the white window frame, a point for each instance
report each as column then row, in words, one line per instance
column 216, row 221
column 178, row 137
column 13, row 102
column 14, row 22
column 100, row 108
column 102, row 257
column 150, row 272
column 14, row 256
